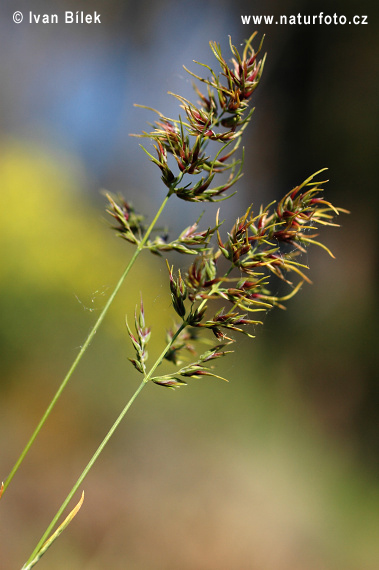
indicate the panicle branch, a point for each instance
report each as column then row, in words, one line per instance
column 219, row 116
column 257, row 247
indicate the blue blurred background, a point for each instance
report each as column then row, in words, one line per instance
column 276, row 470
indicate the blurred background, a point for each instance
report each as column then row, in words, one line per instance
column 275, row 470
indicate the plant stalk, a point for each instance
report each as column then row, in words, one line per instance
column 101, row 447
column 85, row 345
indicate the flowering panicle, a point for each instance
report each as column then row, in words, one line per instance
column 220, row 116
column 230, row 278
column 227, row 280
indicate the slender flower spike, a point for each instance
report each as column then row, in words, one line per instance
column 195, row 370
column 190, row 241
column 139, row 340
column 131, row 225
column 201, row 276
column 232, row 321
column 178, row 292
column 196, row 315
column 169, row 381
column 215, row 352
column 167, row 175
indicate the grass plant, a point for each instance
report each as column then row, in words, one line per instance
column 230, row 278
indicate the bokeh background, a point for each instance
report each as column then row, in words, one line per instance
column 276, row 470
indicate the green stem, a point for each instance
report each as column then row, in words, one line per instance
column 164, row 352
column 108, row 436
column 86, row 344
column 101, row 447
column 84, row 473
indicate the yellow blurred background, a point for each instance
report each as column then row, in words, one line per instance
column 276, row 470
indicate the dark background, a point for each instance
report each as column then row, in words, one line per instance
column 277, row 469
